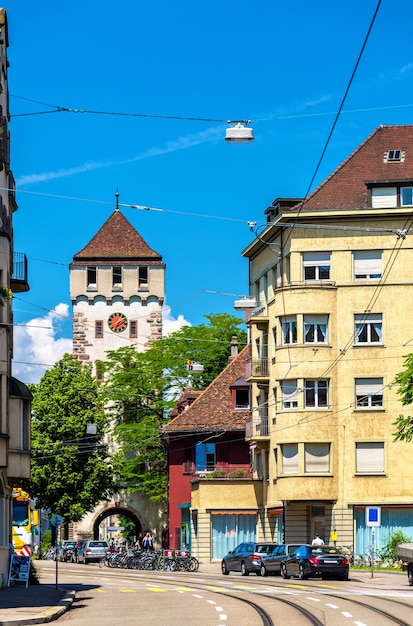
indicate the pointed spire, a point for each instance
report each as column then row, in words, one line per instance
column 117, row 200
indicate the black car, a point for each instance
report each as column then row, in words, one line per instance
column 246, row 558
column 271, row 564
column 309, row 560
column 66, row 550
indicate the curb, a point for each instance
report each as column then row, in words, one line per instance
column 51, row 614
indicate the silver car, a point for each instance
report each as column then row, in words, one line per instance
column 92, row 550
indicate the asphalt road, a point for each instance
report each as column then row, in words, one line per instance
column 105, row 596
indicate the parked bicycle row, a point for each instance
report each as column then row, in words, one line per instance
column 167, row 560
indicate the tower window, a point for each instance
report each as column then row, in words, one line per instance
column 116, row 276
column 99, row 329
column 91, row 276
column 133, row 329
column 143, row 276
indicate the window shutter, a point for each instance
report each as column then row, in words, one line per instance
column 369, row 386
column 289, row 390
column 384, row 197
column 290, row 458
column 369, row 457
column 314, row 259
column 317, row 457
column 367, row 263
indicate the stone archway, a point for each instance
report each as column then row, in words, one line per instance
column 116, row 510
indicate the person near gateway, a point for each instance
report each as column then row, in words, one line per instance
column 317, row 541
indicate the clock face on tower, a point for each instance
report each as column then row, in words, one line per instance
column 118, row 322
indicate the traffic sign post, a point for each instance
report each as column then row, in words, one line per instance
column 56, row 520
column 373, row 521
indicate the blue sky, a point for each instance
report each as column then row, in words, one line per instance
column 285, row 66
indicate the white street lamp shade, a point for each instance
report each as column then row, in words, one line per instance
column 239, row 134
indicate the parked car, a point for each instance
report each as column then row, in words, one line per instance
column 271, row 564
column 92, row 550
column 246, row 558
column 324, row 561
column 75, row 551
column 66, row 549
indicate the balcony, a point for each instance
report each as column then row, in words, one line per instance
column 257, row 368
column 258, row 315
column 257, row 427
column 19, row 280
column 221, row 469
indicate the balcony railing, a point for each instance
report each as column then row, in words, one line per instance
column 256, row 367
column 19, row 278
column 257, row 427
column 221, row 468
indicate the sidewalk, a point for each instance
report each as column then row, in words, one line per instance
column 38, row 604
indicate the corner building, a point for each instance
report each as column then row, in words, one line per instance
column 332, row 281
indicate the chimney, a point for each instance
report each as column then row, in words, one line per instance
column 234, row 348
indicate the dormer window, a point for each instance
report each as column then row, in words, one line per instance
column 394, row 156
column 389, row 197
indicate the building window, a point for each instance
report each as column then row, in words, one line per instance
column 315, row 328
column 394, row 156
column 205, row 457
column 133, row 329
column 289, row 453
column 241, row 399
column 99, row 329
column 367, row 264
column 100, row 371
column 142, row 276
column 24, row 425
column 316, row 394
column 370, row 457
column 369, row 393
column 116, row 276
column 289, row 329
column 316, row 265
column 316, row 458
column 290, row 394
column 368, row 328
column 406, row 196
column 91, row 277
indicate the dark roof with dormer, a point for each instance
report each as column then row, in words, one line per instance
column 117, row 240
column 347, row 187
column 212, row 409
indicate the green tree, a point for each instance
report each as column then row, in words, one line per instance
column 134, row 398
column 206, row 344
column 71, row 471
column 404, row 424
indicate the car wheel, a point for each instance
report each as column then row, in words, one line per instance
column 244, row 571
column 263, row 570
column 224, row 568
column 283, row 571
column 301, row 574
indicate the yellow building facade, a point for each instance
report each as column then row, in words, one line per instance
column 331, row 279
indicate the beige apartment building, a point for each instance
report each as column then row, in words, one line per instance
column 331, row 280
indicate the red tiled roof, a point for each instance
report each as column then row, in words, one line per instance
column 212, row 410
column 346, row 187
column 118, row 239
column 188, row 396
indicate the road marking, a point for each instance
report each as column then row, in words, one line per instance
column 346, row 614
column 332, row 606
column 156, row 589
column 313, row 599
column 127, row 590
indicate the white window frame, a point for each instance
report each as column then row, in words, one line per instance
column 367, row 327
column 318, row 325
column 289, row 330
column 368, row 393
column 370, row 457
column 320, row 390
column 319, row 262
column 317, row 458
column 368, row 264
column 289, row 390
column 406, row 193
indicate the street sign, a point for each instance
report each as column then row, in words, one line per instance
column 373, row 515
column 113, row 529
column 57, row 520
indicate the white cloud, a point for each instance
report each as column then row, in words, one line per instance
column 169, row 323
column 182, row 143
column 37, row 346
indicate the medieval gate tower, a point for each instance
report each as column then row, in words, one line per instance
column 117, row 289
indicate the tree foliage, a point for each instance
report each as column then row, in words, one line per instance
column 404, row 424
column 134, row 398
column 206, row 344
column 70, row 470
